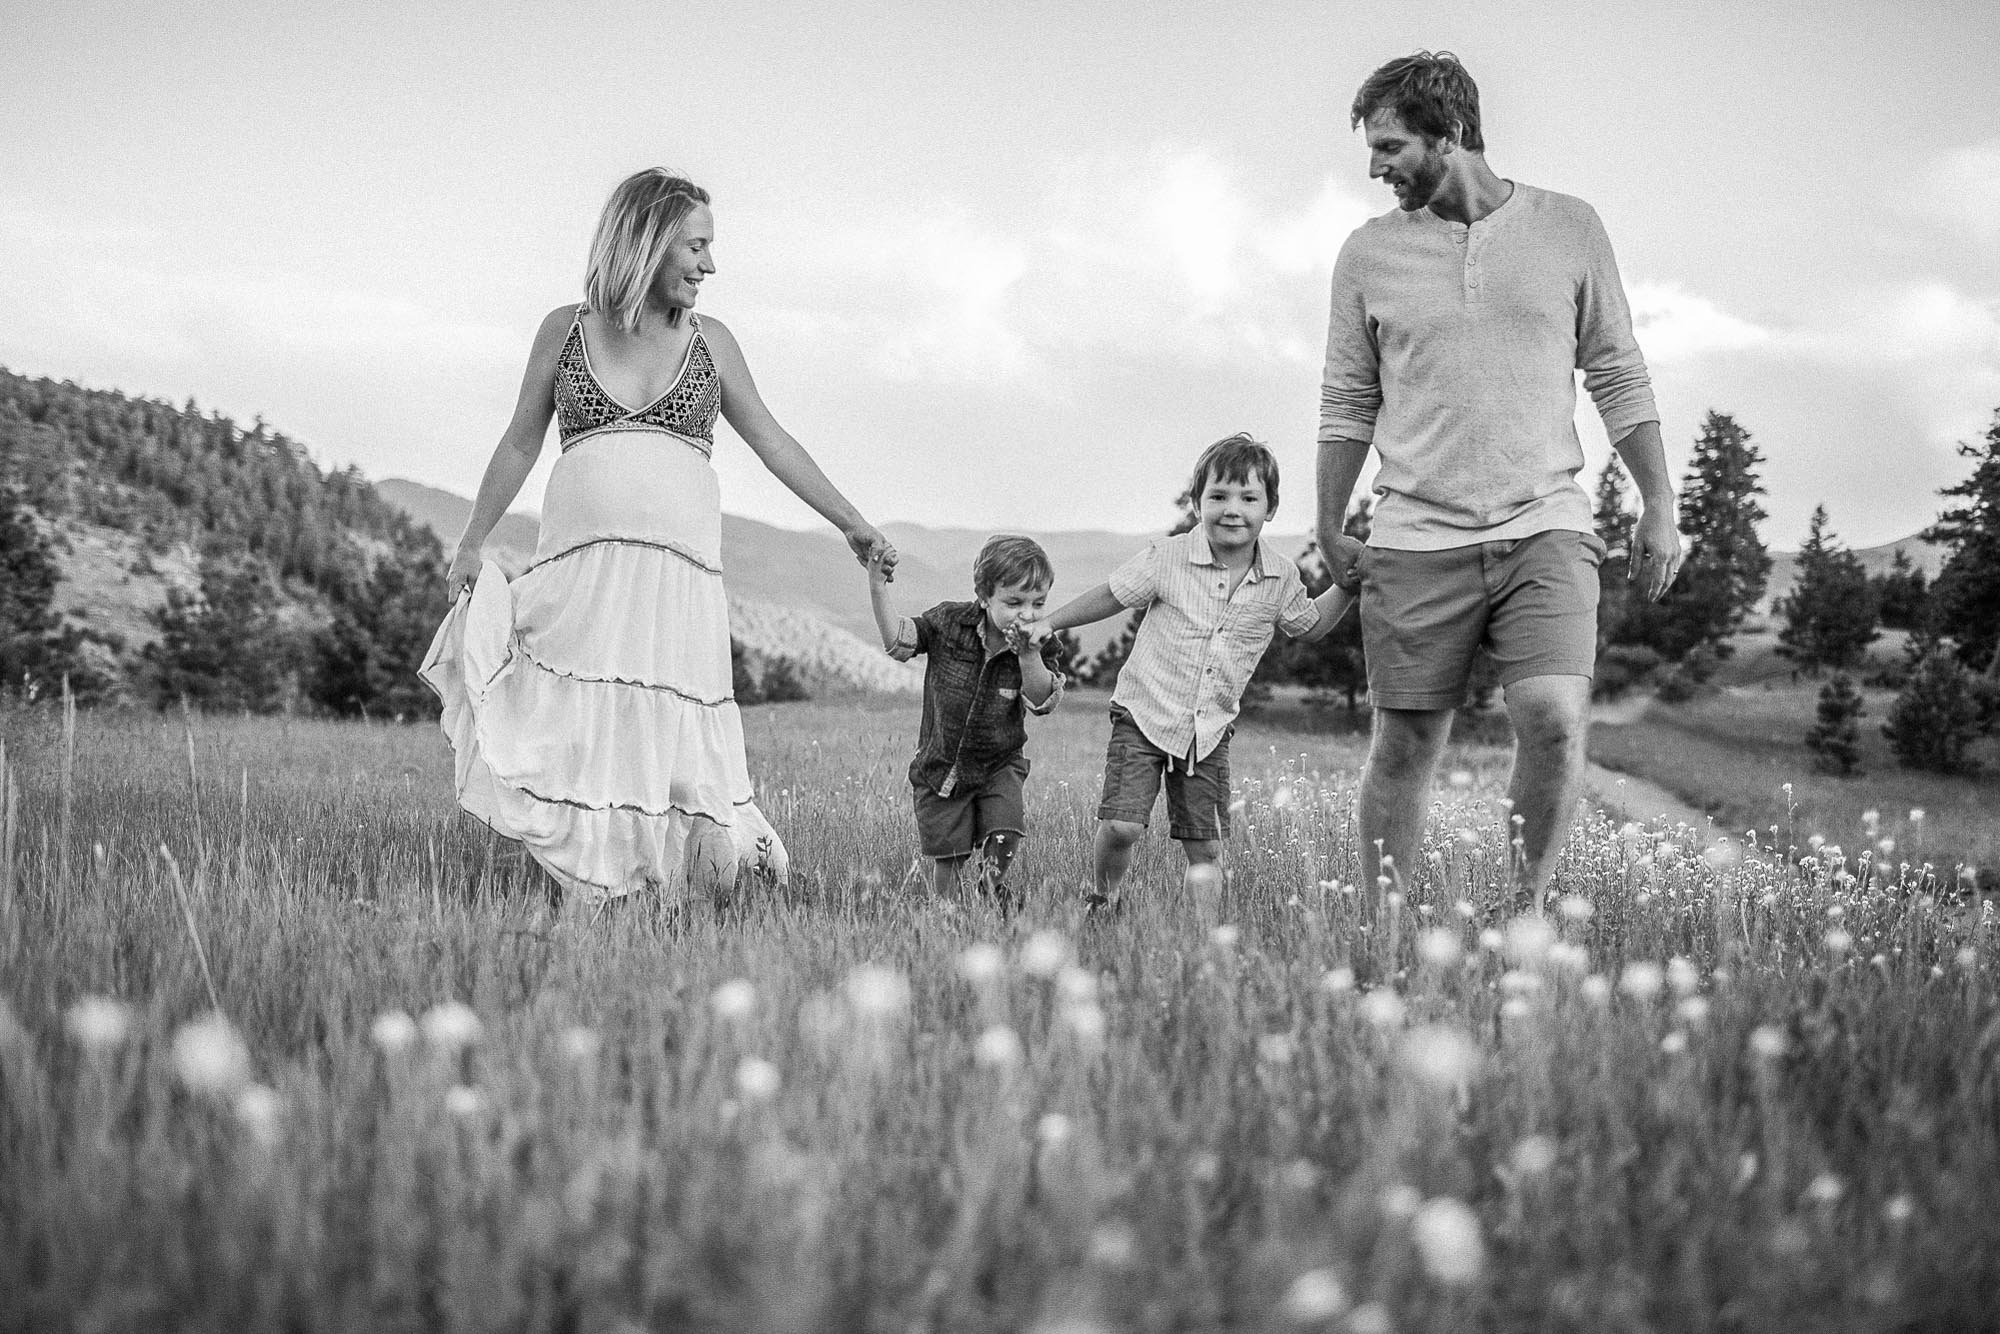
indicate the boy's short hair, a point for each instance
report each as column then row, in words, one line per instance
column 1430, row 92
column 1235, row 458
column 1009, row 558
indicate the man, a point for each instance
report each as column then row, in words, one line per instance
column 1457, row 323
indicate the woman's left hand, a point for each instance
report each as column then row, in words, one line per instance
column 867, row 543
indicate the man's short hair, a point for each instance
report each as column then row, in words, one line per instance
column 1235, row 458
column 1008, row 558
column 1431, row 92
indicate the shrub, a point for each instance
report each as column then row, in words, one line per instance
column 1622, row 667
column 1942, row 711
column 1835, row 739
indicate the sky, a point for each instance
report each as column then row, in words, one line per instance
column 1002, row 265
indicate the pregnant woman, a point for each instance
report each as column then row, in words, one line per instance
column 588, row 701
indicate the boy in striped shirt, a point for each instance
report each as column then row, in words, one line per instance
column 1213, row 597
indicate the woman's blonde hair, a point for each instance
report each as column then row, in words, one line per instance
column 639, row 225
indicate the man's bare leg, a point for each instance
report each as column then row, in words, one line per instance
column 1551, row 717
column 1403, row 756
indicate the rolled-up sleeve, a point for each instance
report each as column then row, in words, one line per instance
column 1055, row 692
column 1297, row 612
column 910, row 639
column 1350, row 391
column 1607, row 351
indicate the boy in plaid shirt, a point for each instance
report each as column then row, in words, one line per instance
column 983, row 672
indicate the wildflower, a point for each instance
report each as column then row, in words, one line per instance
column 981, row 963
column 1576, row 908
column 1528, row 939
column 1899, row 1209
column 1468, row 839
column 1674, row 1043
column 1204, row 1167
column 1916, row 815
column 1086, row 1022
column 1681, row 976
column 99, row 1024
column 1516, row 1008
column 1076, row 986
column 1491, row 940
column 1054, row 1130
column 1514, row 982
column 462, row 1101
column 1461, row 778
column 1282, row 798
column 210, row 1057
column 393, row 1032
column 1339, row 980
column 451, row 1025
column 998, row 1048
column 259, row 1111
column 1838, row 942
column 876, row 992
column 579, row 1043
column 1465, row 909
column 1768, row 1042
column 1400, row 1201
column 734, row 1001
column 1533, row 1155
column 1113, row 1246
column 1439, row 948
column 1224, row 937
column 757, row 1080
column 1596, row 988
column 1692, row 1010
column 1723, row 854
column 1300, row 1175
column 1448, row 1238
column 1370, row 1319
column 1439, row 1056
column 1274, row 1048
column 1382, row 1008
column 1825, row 1189
column 1966, row 958
column 1315, row 1296
column 1045, row 953
column 1565, row 957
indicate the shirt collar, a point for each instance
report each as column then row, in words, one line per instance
column 1200, row 553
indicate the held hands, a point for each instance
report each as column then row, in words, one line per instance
column 1027, row 634
column 1342, row 555
column 870, row 547
column 1656, row 552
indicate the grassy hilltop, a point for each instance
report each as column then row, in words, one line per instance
column 1724, row 1088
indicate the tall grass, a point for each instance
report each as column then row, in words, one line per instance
column 1724, row 1089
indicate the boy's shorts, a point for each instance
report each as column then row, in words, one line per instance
column 956, row 825
column 1531, row 603
column 1197, row 801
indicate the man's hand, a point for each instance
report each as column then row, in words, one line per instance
column 1342, row 555
column 868, row 546
column 881, row 563
column 1656, row 552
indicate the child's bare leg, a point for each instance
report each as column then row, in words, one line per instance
column 1115, row 842
column 1204, row 880
column 944, row 876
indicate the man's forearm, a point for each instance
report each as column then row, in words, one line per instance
column 1340, row 464
column 1645, row 456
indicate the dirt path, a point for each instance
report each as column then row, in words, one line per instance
column 1628, row 796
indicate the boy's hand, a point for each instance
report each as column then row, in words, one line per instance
column 881, row 562
column 1035, row 633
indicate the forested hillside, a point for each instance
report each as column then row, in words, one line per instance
column 203, row 559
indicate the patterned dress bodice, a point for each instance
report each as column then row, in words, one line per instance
column 686, row 410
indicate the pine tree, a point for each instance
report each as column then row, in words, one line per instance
column 745, row 685
column 1941, row 712
column 1067, row 656
column 1966, row 597
column 1835, row 739
column 28, row 619
column 225, row 648
column 1727, row 565
column 1902, row 595
column 1830, row 613
column 365, row 662
column 1110, row 659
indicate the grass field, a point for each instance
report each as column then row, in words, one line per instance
column 1719, row 1091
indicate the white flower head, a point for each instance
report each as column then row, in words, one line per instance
column 1275, row 1048
column 1045, row 953
column 1596, row 988
column 734, row 1001
column 1338, row 981
column 1400, row 1201
column 579, row 1043
column 982, row 963
column 260, row 1111
column 1565, row 957
column 1576, row 908
column 1491, row 940
column 99, row 1024
column 1449, row 1241
column 1315, row 1296
column 757, row 1080
column 1382, row 1008
column 998, row 1048
column 876, row 992
column 211, row 1058
column 1113, row 1246
column 1439, row 948
column 451, row 1025
column 1528, row 939
column 1682, row 977
column 462, row 1101
column 1768, row 1042
column 393, row 1032
column 1533, row 1155
column 1076, row 986
column 1641, row 979
column 1224, row 937
column 1439, row 1056
column 1838, row 942
column 1370, row 1318
column 1054, row 1130
column 1087, row 1022
column 1693, row 1010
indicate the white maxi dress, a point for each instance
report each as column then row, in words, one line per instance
column 588, row 702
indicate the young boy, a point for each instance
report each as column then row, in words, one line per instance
column 1212, row 597
column 983, row 670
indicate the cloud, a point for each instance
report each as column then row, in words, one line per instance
column 1674, row 325
column 1970, row 188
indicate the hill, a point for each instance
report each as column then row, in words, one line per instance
column 1876, row 560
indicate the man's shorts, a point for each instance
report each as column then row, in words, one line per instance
column 1531, row 603
column 1197, row 801
column 956, row 825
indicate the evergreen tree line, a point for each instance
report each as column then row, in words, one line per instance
column 1949, row 680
